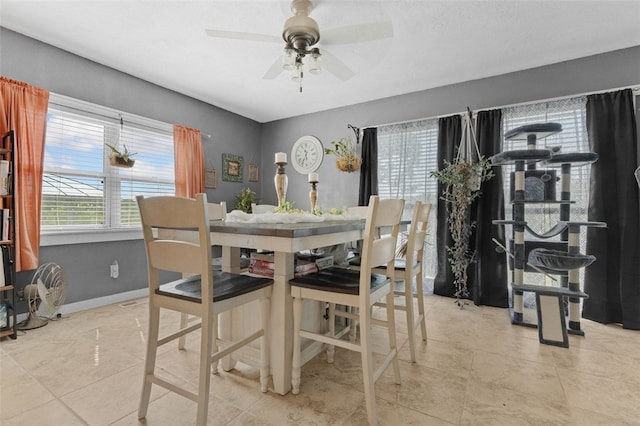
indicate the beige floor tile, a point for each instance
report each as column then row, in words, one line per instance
column 475, row 368
column 489, row 404
column 51, row 413
column 618, row 400
column 320, row 402
column 533, row 378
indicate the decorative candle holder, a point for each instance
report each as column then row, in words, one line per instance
column 313, row 195
column 281, row 181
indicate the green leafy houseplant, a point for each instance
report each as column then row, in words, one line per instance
column 121, row 158
column 245, row 199
column 347, row 160
column 462, row 185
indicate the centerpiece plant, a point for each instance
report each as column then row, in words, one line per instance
column 461, row 180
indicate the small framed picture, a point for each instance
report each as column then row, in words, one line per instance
column 211, row 178
column 232, row 168
column 253, row 173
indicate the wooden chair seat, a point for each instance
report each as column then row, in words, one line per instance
column 225, row 286
column 337, row 279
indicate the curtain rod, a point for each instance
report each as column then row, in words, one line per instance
column 91, row 109
column 635, row 88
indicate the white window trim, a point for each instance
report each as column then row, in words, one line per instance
column 51, row 237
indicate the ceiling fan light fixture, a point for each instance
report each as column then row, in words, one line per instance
column 297, row 71
column 315, row 66
column 288, row 58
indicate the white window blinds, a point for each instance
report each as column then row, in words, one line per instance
column 407, row 154
column 81, row 190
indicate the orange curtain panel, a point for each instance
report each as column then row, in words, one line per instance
column 23, row 109
column 189, row 161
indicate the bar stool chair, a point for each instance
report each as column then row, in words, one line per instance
column 359, row 289
column 201, row 292
column 406, row 269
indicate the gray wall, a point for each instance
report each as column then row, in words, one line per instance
column 87, row 265
column 336, row 189
column 39, row 64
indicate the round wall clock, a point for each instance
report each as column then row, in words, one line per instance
column 307, row 154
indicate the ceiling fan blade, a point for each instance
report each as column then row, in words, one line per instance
column 239, row 35
column 335, row 66
column 274, row 70
column 358, row 33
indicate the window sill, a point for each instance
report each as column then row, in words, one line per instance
column 54, row 238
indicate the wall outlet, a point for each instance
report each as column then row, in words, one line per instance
column 114, row 270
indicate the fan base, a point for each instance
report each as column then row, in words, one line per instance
column 33, row 321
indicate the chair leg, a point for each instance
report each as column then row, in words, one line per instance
column 214, row 344
column 422, row 318
column 408, row 301
column 264, row 344
column 184, row 320
column 393, row 342
column 331, row 349
column 368, row 368
column 353, row 324
column 150, row 359
column 295, row 363
column 204, row 376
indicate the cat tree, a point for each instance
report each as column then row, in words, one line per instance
column 536, row 252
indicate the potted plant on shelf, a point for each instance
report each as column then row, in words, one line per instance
column 121, row 158
column 462, row 179
column 348, row 161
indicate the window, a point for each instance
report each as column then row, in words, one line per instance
column 81, row 190
column 407, row 154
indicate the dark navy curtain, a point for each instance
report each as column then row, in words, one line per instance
column 369, row 168
column 488, row 275
column 613, row 280
column 449, row 135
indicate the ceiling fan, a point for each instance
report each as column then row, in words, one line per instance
column 301, row 35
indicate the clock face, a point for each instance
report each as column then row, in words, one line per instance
column 307, row 154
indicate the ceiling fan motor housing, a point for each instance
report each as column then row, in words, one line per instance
column 301, row 31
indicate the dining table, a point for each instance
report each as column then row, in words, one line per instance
column 284, row 240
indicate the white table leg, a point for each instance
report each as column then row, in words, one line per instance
column 230, row 263
column 282, row 323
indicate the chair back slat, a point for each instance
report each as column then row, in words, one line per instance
column 217, row 211
column 379, row 250
column 167, row 216
column 417, row 232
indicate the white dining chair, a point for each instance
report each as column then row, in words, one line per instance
column 262, row 208
column 199, row 292
column 409, row 267
column 359, row 289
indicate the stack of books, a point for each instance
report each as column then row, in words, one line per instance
column 263, row 264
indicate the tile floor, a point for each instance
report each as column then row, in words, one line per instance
column 475, row 369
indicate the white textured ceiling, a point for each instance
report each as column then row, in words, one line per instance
column 435, row 43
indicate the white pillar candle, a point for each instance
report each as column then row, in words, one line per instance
column 313, row 177
column 281, row 157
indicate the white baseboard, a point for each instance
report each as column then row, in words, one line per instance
column 84, row 305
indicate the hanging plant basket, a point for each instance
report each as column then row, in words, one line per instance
column 118, row 161
column 349, row 164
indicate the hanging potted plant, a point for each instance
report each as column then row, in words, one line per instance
column 462, row 179
column 118, row 157
column 348, row 161
column 121, row 158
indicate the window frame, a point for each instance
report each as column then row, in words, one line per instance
column 112, row 229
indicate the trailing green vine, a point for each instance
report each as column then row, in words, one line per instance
column 462, row 185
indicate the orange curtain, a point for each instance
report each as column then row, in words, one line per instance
column 23, row 109
column 189, row 161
